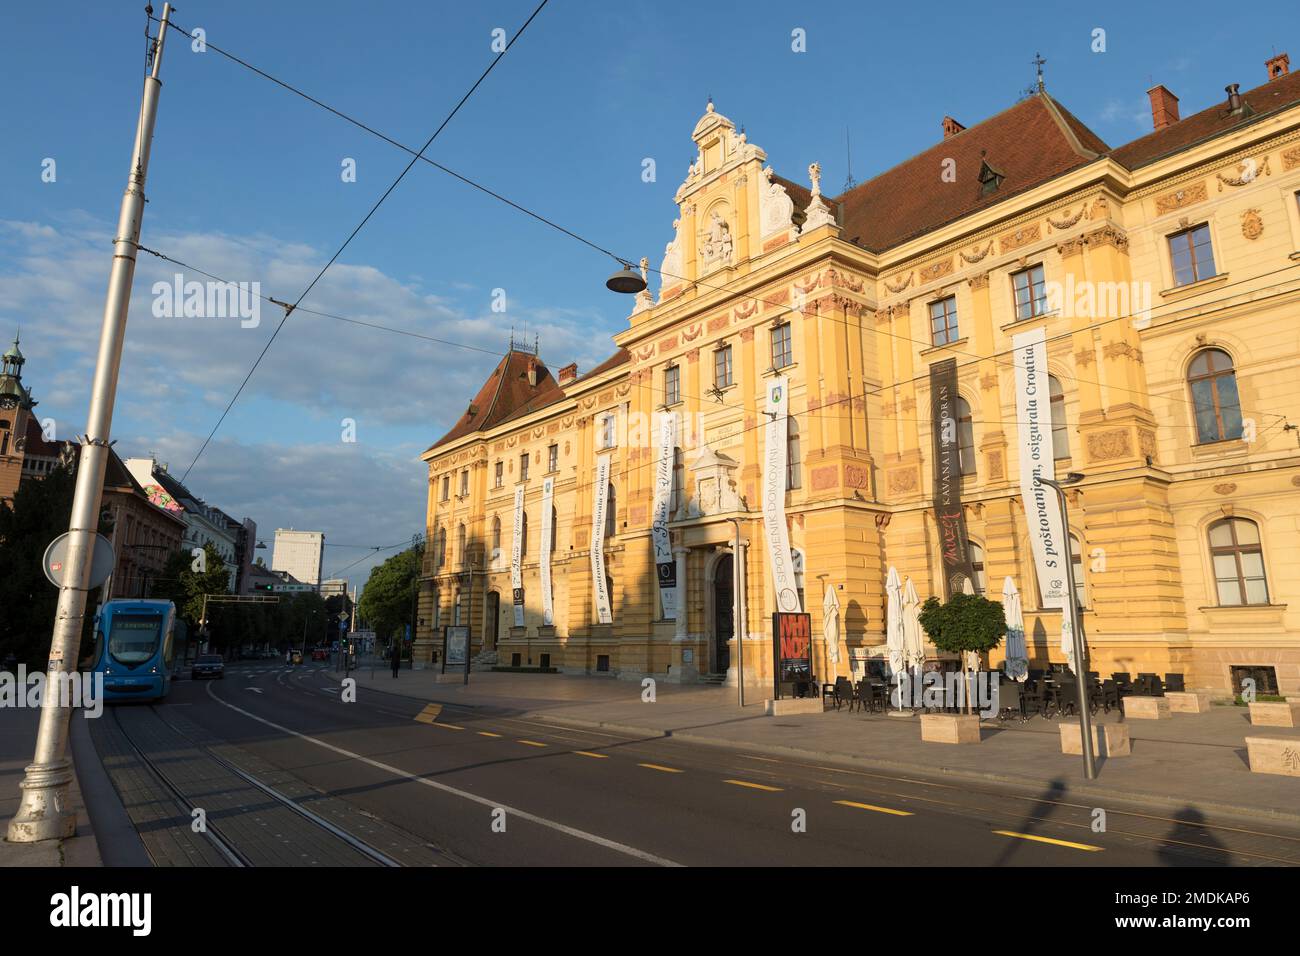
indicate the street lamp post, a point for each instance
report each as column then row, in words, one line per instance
column 1076, row 625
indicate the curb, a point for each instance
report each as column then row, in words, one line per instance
column 935, row 771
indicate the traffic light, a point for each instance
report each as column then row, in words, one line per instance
column 266, row 588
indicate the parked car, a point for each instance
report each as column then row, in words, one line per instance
column 295, row 656
column 208, row 665
column 320, row 654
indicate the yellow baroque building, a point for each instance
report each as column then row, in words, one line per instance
column 1164, row 277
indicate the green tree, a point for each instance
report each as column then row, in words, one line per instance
column 388, row 599
column 184, row 585
column 968, row 623
column 39, row 514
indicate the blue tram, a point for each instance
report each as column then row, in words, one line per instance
column 134, row 647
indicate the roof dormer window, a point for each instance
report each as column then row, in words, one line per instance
column 990, row 179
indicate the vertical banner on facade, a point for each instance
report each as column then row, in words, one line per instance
column 516, row 558
column 1042, row 510
column 774, row 467
column 548, row 534
column 665, row 567
column 954, row 544
column 600, row 501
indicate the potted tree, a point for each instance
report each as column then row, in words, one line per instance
column 967, row 624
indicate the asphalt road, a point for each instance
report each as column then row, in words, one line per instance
column 289, row 773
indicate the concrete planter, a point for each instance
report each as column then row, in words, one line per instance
column 1146, row 708
column 793, row 705
column 950, row 728
column 1188, row 702
column 1112, row 741
column 1275, row 714
column 1280, row 755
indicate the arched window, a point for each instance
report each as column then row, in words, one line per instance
column 1238, row 562
column 1060, row 431
column 611, row 505
column 977, row 565
column 455, row 610
column 460, row 543
column 523, row 535
column 1214, row 396
column 965, row 438
column 793, row 461
column 496, row 537
column 555, row 527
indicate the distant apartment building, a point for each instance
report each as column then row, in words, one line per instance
column 299, row 553
column 204, row 524
column 333, row 587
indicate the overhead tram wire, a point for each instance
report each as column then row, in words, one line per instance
column 288, row 310
column 867, row 392
column 623, row 260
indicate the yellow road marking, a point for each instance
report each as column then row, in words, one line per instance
column 531, row 743
column 432, row 723
column 752, row 786
column 431, row 710
column 1040, row 839
column 655, row 766
column 588, row 753
column 868, row 806
column 487, row 733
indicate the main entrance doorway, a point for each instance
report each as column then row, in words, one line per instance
column 723, row 625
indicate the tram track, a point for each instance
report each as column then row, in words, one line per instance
column 226, row 843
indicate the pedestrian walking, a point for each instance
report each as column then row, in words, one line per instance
column 396, row 654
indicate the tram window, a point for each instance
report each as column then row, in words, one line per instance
column 133, row 638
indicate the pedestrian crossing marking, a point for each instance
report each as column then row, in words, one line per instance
column 429, row 714
column 868, row 806
column 753, row 786
column 655, row 766
column 1042, row 839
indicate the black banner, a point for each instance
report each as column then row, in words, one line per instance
column 791, row 648
column 954, row 544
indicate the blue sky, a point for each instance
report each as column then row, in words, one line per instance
column 245, row 183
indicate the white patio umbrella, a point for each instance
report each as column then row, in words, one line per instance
column 971, row 659
column 831, row 626
column 894, row 635
column 913, row 641
column 1017, row 653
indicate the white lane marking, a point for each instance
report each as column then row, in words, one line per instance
column 474, row 798
column 255, row 690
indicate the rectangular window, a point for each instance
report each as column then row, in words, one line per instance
column 672, row 385
column 464, row 483
column 498, row 474
column 607, row 422
column 1031, row 292
column 446, row 487
column 523, row 467
column 782, row 353
column 722, row 367
column 1192, row 255
column 553, row 458
column 943, row 321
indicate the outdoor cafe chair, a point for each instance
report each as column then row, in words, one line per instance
column 1063, row 697
column 1010, row 702
column 1033, row 699
column 841, row 692
column 866, row 695
column 1174, row 682
column 1110, row 696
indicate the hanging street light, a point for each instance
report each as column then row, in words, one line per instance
column 627, row 280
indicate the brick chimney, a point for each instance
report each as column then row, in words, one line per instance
column 1164, row 107
column 1279, row 65
column 568, row 373
column 951, row 127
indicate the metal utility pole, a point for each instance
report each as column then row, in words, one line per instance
column 43, row 812
column 1076, row 628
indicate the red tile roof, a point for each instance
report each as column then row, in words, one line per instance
column 505, row 394
column 1263, row 100
column 1032, row 142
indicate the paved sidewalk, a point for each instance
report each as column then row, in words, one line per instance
column 17, row 742
column 1196, row 761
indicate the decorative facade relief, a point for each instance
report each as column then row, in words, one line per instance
column 715, row 486
column 1179, row 198
column 776, row 208
column 715, row 243
column 1252, row 226
column 670, row 270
